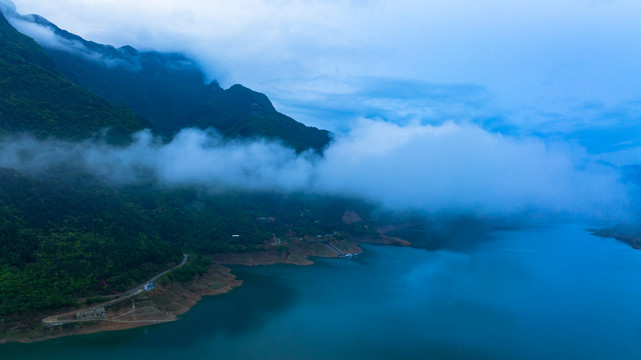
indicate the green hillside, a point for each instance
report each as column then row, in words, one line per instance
column 61, row 238
column 65, row 233
column 241, row 112
column 39, row 100
column 169, row 91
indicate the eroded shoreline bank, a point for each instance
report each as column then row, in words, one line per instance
column 169, row 300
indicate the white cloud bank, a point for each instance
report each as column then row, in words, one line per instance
column 457, row 168
column 340, row 60
column 564, row 70
column 450, row 168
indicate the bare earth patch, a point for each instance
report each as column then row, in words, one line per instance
column 171, row 299
column 163, row 304
column 297, row 253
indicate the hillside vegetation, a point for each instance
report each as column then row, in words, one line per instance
column 169, row 91
column 66, row 233
column 39, row 100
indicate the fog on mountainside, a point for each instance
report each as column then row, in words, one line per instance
column 37, row 99
column 167, row 89
column 116, row 161
column 444, row 169
column 450, row 167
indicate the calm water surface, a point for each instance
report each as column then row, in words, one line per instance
column 554, row 293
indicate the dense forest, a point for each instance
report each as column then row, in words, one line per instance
column 39, row 100
column 64, row 236
column 65, row 233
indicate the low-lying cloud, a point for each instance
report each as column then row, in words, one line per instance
column 193, row 157
column 454, row 167
column 447, row 168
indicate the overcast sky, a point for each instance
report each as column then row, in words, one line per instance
column 487, row 106
column 545, row 53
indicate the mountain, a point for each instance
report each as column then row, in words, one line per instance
column 67, row 234
column 169, row 90
column 241, row 112
column 36, row 98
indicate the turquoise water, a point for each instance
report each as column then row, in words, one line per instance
column 553, row 293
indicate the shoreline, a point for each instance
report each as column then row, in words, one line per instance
column 171, row 299
column 297, row 253
column 168, row 302
column 626, row 234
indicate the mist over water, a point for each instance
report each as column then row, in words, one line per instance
column 543, row 293
column 552, row 146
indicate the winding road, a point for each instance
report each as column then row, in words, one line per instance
column 54, row 320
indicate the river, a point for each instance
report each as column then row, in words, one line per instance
column 541, row 293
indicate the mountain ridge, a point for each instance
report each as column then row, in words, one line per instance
column 169, row 90
column 67, row 233
column 37, row 99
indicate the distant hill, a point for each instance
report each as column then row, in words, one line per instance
column 169, row 91
column 36, row 98
column 627, row 233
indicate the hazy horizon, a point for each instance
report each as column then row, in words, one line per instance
column 477, row 129
column 477, row 196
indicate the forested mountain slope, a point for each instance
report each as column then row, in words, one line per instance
column 37, row 99
column 66, row 233
column 169, row 91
